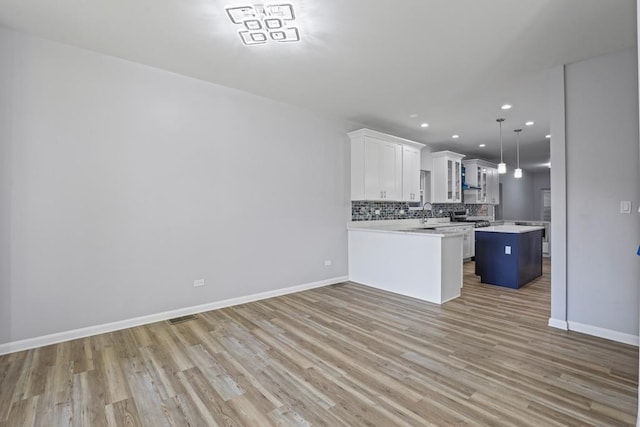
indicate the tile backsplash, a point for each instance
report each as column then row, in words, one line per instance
column 366, row 210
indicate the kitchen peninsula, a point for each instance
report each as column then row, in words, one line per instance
column 407, row 257
column 509, row 255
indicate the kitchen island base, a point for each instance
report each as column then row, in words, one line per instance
column 508, row 256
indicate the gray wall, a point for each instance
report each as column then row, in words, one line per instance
column 602, row 169
column 541, row 181
column 521, row 197
column 5, row 178
column 128, row 183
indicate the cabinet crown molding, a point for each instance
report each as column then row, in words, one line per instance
column 480, row 162
column 447, row 153
column 375, row 134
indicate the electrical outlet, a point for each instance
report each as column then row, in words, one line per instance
column 197, row 283
column 625, row 207
column 327, row 262
column 507, row 250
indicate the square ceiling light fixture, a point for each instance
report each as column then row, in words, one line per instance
column 260, row 24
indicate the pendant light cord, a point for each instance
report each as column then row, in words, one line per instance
column 500, row 122
column 517, row 131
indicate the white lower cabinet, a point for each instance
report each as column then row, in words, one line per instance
column 470, row 241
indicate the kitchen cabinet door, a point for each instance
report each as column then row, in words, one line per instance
column 378, row 172
column 493, row 187
column 382, row 170
column 410, row 174
column 479, row 174
column 447, row 177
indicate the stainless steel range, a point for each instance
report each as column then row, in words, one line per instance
column 460, row 215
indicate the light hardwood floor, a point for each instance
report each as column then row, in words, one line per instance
column 340, row 355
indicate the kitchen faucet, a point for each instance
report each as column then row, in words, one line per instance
column 428, row 208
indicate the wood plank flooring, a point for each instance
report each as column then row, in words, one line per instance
column 335, row 356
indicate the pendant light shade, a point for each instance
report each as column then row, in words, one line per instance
column 518, row 172
column 502, row 166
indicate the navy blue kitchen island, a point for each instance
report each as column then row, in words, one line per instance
column 509, row 255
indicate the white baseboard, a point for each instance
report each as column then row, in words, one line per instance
column 604, row 333
column 638, row 413
column 557, row 323
column 58, row 337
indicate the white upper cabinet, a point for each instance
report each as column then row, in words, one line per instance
column 493, row 187
column 446, row 179
column 382, row 168
column 410, row 174
column 479, row 176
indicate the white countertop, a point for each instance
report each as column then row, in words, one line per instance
column 410, row 226
column 509, row 229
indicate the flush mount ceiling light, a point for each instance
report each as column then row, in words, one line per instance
column 529, row 123
column 424, row 125
column 548, row 136
column 260, row 24
column 518, row 172
column 502, row 166
column 482, row 145
column 455, row 136
column 506, row 107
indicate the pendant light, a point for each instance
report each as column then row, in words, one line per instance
column 502, row 166
column 518, row 172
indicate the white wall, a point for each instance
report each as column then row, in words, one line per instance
column 521, row 197
column 129, row 182
column 601, row 170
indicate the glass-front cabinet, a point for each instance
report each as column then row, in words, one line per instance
column 480, row 182
column 446, row 179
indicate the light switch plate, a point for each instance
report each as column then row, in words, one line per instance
column 507, row 250
column 625, row 207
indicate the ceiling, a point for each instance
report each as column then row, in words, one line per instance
column 375, row 63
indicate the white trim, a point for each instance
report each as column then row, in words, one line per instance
column 375, row 134
column 558, row 323
column 558, row 177
column 58, row 337
column 604, row 333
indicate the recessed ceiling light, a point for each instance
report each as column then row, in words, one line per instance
column 413, row 116
column 529, row 123
column 482, row 145
column 506, row 106
column 547, row 136
column 424, row 125
column 455, row 136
